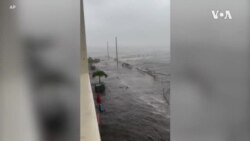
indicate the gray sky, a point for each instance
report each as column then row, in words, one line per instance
column 136, row 23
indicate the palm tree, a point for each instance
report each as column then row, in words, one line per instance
column 91, row 61
column 100, row 74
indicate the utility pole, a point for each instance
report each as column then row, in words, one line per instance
column 108, row 49
column 116, row 51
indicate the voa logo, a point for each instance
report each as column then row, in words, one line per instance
column 226, row 15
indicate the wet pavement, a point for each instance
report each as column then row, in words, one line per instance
column 135, row 108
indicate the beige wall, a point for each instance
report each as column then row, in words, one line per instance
column 89, row 126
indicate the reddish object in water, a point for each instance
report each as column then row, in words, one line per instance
column 98, row 99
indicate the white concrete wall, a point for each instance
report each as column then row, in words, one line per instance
column 89, row 125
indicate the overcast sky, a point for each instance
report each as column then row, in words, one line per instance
column 136, row 23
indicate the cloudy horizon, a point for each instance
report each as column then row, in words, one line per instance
column 137, row 24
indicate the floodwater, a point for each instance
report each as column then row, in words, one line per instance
column 136, row 101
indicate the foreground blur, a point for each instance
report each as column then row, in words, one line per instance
column 39, row 70
column 210, row 95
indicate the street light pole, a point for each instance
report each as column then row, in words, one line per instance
column 108, row 49
column 116, row 52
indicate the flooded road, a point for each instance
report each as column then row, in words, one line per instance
column 135, row 108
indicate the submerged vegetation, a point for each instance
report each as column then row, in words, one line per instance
column 93, row 60
column 92, row 63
